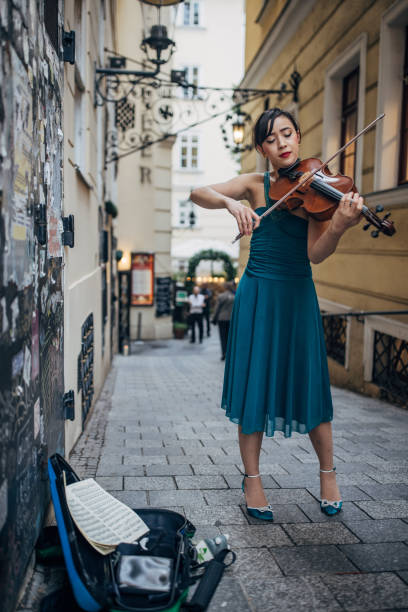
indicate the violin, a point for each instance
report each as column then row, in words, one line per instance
column 321, row 196
column 320, row 193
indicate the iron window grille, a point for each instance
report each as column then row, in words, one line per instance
column 390, row 367
column 335, row 334
column 86, row 365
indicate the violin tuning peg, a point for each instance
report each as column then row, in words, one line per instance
column 387, row 215
column 379, row 208
column 366, row 226
column 375, row 233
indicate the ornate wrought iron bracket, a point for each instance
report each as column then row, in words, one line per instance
column 150, row 110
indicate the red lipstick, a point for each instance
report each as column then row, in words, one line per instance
column 285, row 155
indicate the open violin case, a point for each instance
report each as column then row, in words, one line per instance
column 94, row 577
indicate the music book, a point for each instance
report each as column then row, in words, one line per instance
column 102, row 519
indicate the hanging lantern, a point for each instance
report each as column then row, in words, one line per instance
column 156, row 37
column 238, row 128
column 238, row 120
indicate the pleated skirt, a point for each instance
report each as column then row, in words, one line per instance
column 276, row 375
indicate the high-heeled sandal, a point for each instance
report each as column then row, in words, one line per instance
column 264, row 512
column 330, row 507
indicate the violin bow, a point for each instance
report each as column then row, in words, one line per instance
column 303, row 181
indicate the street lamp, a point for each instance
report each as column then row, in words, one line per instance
column 158, row 40
column 238, row 131
column 155, row 42
column 238, row 120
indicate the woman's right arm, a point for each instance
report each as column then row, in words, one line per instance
column 227, row 195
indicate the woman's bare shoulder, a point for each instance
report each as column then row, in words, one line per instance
column 241, row 187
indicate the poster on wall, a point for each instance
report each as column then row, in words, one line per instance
column 142, row 279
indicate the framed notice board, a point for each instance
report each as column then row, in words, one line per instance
column 142, row 279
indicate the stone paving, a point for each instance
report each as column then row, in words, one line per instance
column 158, row 437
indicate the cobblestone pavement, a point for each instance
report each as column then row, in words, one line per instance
column 168, row 444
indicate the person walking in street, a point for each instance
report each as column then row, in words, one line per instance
column 207, row 293
column 197, row 302
column 276, row 374
column 222, row 315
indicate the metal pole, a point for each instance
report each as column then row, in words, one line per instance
column 139, row 329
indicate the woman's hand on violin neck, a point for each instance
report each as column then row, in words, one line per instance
column 348, row 212
column 246, row 218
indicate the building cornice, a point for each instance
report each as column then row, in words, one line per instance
column 281, row 32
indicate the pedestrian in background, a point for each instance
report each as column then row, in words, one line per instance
column 222, row 315
column 197, row 303
column 207, row 293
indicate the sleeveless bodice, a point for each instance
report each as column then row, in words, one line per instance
column 278, row 247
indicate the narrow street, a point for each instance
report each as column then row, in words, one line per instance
column 167, row 443
column 158, row 437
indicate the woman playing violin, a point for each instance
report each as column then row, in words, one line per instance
column 276, row 375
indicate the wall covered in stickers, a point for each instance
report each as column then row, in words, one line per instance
column 31, row 288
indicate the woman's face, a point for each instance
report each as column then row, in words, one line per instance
column 282, row 145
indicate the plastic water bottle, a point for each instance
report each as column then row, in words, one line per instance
column 208, row 548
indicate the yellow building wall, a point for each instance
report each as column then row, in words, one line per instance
column 364, row 273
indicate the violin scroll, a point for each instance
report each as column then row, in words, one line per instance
column 382, row 225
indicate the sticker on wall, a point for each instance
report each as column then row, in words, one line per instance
column 3, row 503
column 35, row 346
column 37, row 418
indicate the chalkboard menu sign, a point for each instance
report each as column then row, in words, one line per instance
column 163, row 293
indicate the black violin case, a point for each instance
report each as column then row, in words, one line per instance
column 92, row 575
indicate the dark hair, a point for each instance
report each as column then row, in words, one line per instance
column 264, row 124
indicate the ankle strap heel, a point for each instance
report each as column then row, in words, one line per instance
column 330, row 508
column 265, row 513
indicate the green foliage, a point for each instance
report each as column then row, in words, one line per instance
column 229, row 268
column 180, row 325
column 111, row 208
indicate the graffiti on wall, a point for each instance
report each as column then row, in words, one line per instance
column 31, row 296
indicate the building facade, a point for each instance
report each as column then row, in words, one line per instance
column 144, row 197
column 90, row 312
column 352, row 57
column 52, row 277
column 199, row 155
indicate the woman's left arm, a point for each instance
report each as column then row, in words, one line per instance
column 323, row 236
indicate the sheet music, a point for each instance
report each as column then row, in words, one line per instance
column 102, row 519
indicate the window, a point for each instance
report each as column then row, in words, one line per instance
column 192, row 13
column 183, row 213
column 189, row 152
column 192, row 77
column 390, row 151
column 82, row 142
column 80, row 27
column 349, row 122
column 80, row 131
column 403, row 169
column 344, row 84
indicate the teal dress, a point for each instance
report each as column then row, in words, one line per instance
column 276, row 375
